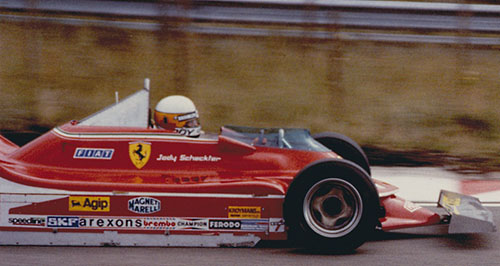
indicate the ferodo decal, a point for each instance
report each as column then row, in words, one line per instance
column 144, row 205
column 139, row 153
column 224, row 224
column 243, row 212
column 89, row 204
column 93, row 153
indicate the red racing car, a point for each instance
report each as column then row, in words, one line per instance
column 112, row 179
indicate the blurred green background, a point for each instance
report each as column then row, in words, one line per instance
column 422, row 100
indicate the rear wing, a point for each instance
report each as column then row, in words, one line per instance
column 466, row 213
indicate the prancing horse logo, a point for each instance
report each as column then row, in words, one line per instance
column 139, row 153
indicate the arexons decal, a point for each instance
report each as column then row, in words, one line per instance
column 144, row 205
column 93, row 153
column 91, row 204
column 110, row 223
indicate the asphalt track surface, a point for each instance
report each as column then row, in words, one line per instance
column 419, row 246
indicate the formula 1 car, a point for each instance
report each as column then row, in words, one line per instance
column 111, row 179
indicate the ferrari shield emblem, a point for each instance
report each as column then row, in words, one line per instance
column 139, row 153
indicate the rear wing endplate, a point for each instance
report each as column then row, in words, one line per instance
column 467, row 214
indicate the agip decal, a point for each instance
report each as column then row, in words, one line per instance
column 89, row 204
column 144, row 205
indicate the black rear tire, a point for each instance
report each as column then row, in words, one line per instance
column 332, row 205
column 345, row 147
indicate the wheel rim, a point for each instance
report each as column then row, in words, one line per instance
column 332, row 207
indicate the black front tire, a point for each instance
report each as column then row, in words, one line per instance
column 345, row 147
column 331, row 205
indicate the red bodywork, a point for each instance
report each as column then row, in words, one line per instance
column 112, row 173
column 209, row 167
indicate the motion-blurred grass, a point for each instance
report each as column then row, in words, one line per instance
column 400, row 97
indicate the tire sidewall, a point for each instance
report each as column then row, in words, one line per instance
column 300, row 231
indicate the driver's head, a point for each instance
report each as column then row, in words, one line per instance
column 178, row 113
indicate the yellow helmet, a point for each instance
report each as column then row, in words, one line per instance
column 178, row 113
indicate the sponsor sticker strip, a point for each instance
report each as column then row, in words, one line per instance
column 141, row 223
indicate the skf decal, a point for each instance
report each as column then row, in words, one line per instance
column 243, row 212
column 89, row 204
column 62, row 221
column 139, row 153
column 144, row 205
column 93, row 153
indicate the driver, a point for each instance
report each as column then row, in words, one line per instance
column 178, row 113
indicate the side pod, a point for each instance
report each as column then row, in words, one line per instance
column 467, row 214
